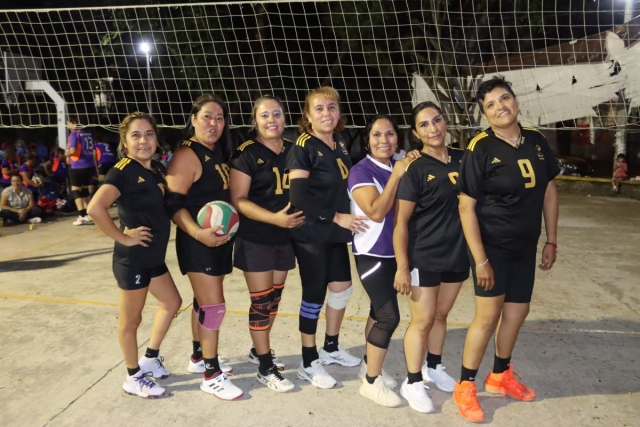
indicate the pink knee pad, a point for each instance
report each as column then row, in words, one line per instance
column 211, row 316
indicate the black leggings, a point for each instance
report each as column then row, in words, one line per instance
column 377, row 275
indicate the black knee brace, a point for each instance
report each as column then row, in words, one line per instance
column 388, row 318
column 277, row 296
column 84, row 193
column 312, row 301
column 76, row 194
column 259, row 313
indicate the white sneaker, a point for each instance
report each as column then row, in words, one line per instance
column 316, row 375
column 197, row 367
column 275, row 381
column 143, row 386
column 154, row 367
column 82, row 220
column 89, row 219
column 253, row 358
column 380, row 393
column 417, row 396
column 34, row 220
column 221, row 387
column 439, row 377
column 341, row 357
column 389, row 381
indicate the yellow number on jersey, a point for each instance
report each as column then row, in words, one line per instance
column 453, row 177
column 281, row 183
column 224, row 174
column 344, row 170
column 527, row 172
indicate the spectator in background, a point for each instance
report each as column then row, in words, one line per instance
column 56, row 167
column 17, row 203
column 21, row 147
column 26, row 172
column 9, row 165
column 42, row 150
column 619, row 172
column 83, row 168
column 106, row 158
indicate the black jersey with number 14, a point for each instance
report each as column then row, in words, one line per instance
column 269, row 189
column 509, row 185
column 141, row 203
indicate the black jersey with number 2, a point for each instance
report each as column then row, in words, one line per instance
column 509, row 185
column 436, row 240
column 328, row 172
column 269, row 189
column 141, row 203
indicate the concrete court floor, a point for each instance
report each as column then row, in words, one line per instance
column 60, row 363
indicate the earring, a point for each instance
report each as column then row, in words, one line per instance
column 366, row 148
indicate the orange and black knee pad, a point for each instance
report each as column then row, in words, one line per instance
column 277, row 296
column 259, row 313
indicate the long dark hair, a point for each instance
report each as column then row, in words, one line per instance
column 416, row 144
column 225, row 142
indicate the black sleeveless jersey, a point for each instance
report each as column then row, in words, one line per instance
column 213, row 184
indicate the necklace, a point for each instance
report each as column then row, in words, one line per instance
column 514, row 142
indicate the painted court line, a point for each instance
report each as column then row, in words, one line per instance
column 49, row 246
column 36, row 298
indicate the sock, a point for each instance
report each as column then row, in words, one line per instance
column 468, row 374
column 82, row 212
column 365, row 359
column 266, row 362
column 500, row 365
column 309, row 354
column 131, row 372
column 330, row 343
column 370, row 380
column 151, row 353
column 433, row 360
column 212, row 367
column 254, row 352
column 197, row 350
column 414, row 377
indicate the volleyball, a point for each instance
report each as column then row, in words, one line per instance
column 37, row 179
column 218, row 213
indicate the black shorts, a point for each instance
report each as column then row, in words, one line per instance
column 514, row 276
column 81, row 177
column 104, row 168
column 194, row 257
column 377, row 276
column 131, row 278
column 322, row 263
column 255, row 258
column 431, row 279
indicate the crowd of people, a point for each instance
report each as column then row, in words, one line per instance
column 420, row 224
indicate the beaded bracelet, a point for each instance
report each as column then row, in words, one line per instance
column 483, row 264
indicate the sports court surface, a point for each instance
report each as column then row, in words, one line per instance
column 60, row 364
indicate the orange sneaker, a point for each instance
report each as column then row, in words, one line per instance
column 507, row 384
column 464, row 396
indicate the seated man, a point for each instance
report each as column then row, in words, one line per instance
column 17, row 203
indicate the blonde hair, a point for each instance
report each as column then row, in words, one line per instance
column 124, row 127
column 304, row 125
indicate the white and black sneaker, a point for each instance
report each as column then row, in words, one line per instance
column 316, row 375
column 388, row 379
column 275, row 381
column 197, row 366
column 154, row 367
column 253, row 358
column 221, row 387
column 143, row 386
column 341, row 357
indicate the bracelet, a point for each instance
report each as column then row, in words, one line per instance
column 198, row 232
column 483, row 264
column 555, row 245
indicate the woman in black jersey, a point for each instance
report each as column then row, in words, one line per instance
column 318, row 167
column 506, row 186
column 430, row 252
column 198, row 174
column 263, row 251
column 137, row 183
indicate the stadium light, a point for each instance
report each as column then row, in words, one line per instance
column 146, row 49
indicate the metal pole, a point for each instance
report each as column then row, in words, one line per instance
column 149, row 100
column 628, row 11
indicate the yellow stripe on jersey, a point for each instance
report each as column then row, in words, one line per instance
column 533, row 129
column 187, row 143
column 303, row 139
column 475, row 140
column 245, row 145
column 122, row 163
column 407, row 168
